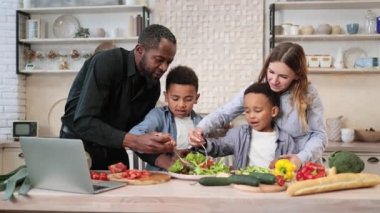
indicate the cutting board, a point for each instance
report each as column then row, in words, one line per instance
column 154, row 178
column 261, row 188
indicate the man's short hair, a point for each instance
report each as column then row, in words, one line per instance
column 182, row 75
column 151, row 36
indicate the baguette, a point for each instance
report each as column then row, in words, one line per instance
column 333, row 183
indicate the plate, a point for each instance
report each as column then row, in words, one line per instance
column 65, row 26
column 188, row 177
column 350, row 56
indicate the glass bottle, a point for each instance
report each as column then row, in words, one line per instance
column 370, row 22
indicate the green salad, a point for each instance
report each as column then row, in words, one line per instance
column 202, row 166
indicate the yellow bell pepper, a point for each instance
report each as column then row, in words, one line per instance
column 284, row 168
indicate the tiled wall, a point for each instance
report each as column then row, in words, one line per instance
column 221, row 40
column 12, row 86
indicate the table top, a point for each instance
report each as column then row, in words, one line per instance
column 189, row 196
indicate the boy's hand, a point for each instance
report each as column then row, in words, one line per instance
column 294, row 159
column 196, row 137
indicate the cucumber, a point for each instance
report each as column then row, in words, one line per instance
column 265, row 178
column 214, row 181
column 244, row 180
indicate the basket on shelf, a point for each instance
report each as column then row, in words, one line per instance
column 365, row 135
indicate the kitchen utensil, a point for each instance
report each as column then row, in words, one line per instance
column 184, row 161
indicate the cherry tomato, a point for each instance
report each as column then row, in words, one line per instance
column 280, row 180
column 94, row 175
column 103, row 176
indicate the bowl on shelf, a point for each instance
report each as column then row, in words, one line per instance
column 367, row 135
column 324, row 29
column 307, row 30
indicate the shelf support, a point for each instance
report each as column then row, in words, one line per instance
column 272, row 9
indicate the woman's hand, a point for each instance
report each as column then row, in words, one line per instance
column 294, row 159
column 196, row 137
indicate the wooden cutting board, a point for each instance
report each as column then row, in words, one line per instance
column 154, row 178
column 261, row 188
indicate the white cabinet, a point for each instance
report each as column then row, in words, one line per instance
column 12, row 158
column 58, row 50
column 371, row 161
column 316, row 13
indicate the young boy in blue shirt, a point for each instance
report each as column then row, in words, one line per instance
column 259, row 142
column 177, row 118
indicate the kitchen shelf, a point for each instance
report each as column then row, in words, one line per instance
column 77, row 40
column 108, row 17
column 326, row 5
column 343, row 71
column 85, row 9
column 37, row 71
column 338, row 37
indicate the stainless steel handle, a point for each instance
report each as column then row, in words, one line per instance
column 373, row 160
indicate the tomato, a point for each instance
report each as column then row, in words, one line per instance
column 118, row 167
column 280, row 180
column 94, row 175
column 103, row 176
column 135, row 174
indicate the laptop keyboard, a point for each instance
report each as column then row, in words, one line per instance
column 98, row 187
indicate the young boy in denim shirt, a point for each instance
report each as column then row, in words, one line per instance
column 258, row 143
column 177, row 118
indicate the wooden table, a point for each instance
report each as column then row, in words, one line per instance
column 185, row 196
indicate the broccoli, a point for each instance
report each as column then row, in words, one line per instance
column 346, row 162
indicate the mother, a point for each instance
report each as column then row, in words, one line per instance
column 285, row 70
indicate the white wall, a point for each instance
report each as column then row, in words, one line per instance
column 12, row 86
column 221, row 39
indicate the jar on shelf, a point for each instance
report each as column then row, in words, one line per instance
column 370, row 22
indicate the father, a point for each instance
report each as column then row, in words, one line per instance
column 113, row 92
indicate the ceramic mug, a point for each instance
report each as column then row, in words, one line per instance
column 352, row 28
column 347, row 134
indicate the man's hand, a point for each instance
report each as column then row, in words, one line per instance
column 153, row 142
column 196, row 137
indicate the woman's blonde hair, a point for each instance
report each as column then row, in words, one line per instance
column 293, row 56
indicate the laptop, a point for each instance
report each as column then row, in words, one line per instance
column 60, row 164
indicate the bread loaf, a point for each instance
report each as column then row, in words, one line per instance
column 333, row 183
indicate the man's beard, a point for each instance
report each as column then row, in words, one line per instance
column 147, row 72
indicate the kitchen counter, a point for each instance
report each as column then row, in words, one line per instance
column 331, row 147
column 186, row 196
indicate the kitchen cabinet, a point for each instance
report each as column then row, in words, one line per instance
column 315, row 13
column 1, row 160
column 368, row 152
column 12, row 158
column 57, row 50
